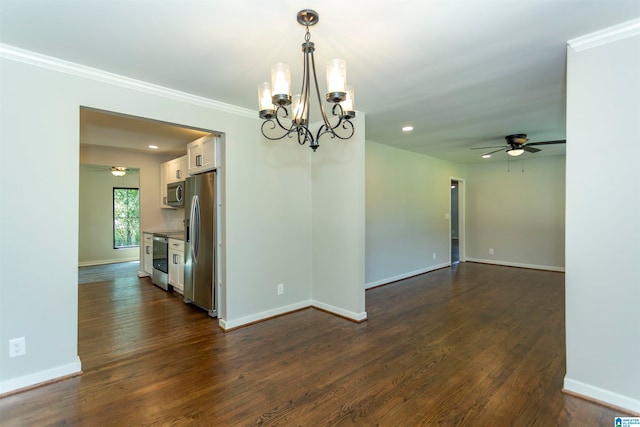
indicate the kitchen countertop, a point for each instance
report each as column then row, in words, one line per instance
column 171, row 234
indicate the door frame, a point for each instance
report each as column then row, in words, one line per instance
column 461, row 217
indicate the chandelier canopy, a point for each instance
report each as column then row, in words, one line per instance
column 274, row 98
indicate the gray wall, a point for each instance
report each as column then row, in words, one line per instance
column 520, row 215
column 407, row 200
column 95, row 244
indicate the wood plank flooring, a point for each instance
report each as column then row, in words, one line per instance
column 473, row 345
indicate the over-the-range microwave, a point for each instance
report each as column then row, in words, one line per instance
column 175, row 194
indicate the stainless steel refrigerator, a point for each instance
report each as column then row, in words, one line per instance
column 199, row 244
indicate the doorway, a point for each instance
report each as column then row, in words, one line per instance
column 456, row 229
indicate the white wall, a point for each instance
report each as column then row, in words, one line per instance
column 267, row 205
column 407, row 197
column 603, row 217
column 95, row 240
column 518, row 211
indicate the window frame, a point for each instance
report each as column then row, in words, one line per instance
column 113, row 217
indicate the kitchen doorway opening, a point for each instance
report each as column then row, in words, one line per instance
column 142, row 145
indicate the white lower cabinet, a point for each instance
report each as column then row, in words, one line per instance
column 176, row 264
column 147, row 253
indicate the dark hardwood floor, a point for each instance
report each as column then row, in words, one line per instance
column 470, row 345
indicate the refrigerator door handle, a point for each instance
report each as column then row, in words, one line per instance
column 195, row 227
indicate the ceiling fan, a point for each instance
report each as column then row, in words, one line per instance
column 518, row 144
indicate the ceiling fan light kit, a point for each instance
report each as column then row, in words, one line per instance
column 118, row 170
column 275, row 97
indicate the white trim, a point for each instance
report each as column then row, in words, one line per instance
column 108, row 261
column 40, row 377
column 235, row 323
column 405, row 275
column 55, row 64
column 602, row 395
column 607, row 35
column 517, row 264
column 242, row 321
column 358, row 317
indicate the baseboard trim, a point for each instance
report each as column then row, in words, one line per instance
column 517, row 264
column 403, row 276
column 349, row 315
column 107, row 261
column 229, row 325
column 40, row 378
column 601, row 396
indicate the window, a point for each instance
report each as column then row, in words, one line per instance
column 126, row 218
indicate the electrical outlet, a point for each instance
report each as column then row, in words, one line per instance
column 280, row 288
column 17, row 347
column 434, row 255
column 490, row 251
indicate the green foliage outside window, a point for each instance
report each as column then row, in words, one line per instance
column 126, row 218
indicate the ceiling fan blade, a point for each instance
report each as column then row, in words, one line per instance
column 530, row 149
column 488, row 148
column 559, row 141
column 501, row 149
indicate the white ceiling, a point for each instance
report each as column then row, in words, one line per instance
column 463, row 73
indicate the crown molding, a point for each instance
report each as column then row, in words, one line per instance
column 607, row 35
column 28, row 57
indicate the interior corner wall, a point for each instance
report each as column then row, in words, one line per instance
column 338, row 217
column 518, row 210
column 95, row 241
column 407, row 198
column 603, row 222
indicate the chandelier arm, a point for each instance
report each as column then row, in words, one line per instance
column 274, row 123
column 304, row 135
column 315, row 80
column 342, row 122
column 304, row 98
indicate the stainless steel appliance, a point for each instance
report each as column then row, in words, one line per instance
column 200, row 237
column 175, row 194
column 160, row 274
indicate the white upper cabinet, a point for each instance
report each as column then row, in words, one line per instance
column 203, row 154
column 177, row 169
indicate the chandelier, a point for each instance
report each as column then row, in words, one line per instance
column 274, row 98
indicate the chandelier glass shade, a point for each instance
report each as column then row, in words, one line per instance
column 274, row 97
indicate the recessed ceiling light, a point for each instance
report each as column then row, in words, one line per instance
column 486, row 156
column 407, row 128
column 153, row 147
